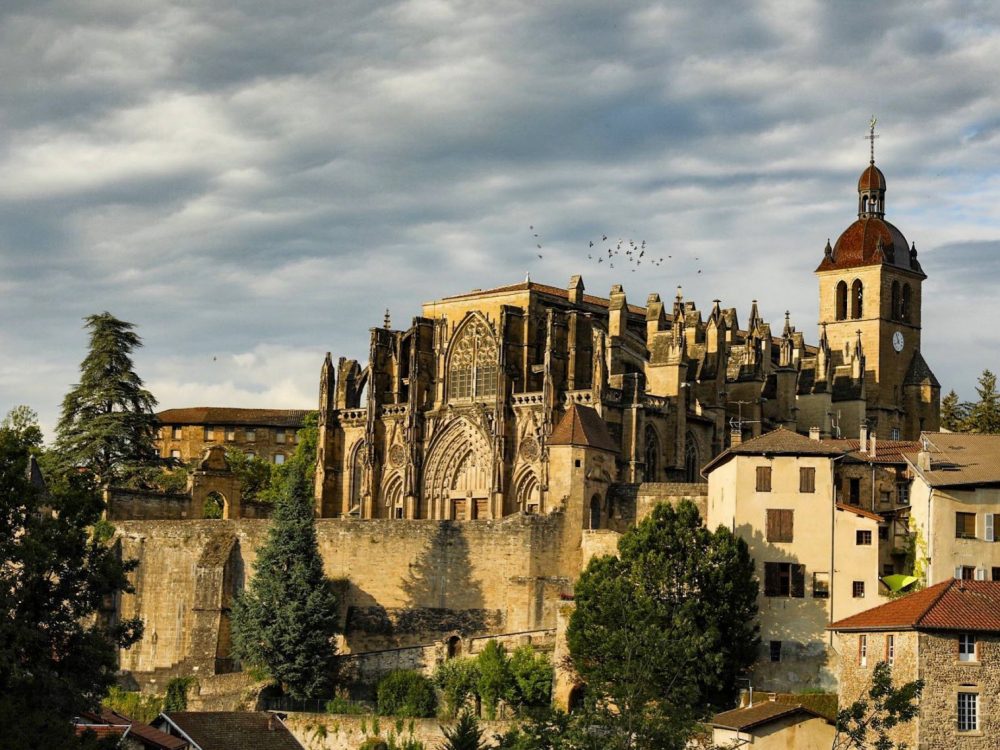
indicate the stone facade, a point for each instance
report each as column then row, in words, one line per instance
column 270, row 434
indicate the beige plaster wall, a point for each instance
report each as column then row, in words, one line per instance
column 793, row 733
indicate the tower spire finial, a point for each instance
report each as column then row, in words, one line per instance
column 871, row 137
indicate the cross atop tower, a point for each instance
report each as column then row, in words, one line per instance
column 871, row 136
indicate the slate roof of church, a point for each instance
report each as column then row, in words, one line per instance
column 583, row 426
column 950, row 605
column 919, row 372
column 222, row 415
column 233, row 730
column 743, row 719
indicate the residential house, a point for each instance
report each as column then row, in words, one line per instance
column 816, row 558
column 229, row 730
column 772, row 726
column 947, row 635
column 955, row 506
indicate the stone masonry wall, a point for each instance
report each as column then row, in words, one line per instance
column 405, row 583
column 336, row 732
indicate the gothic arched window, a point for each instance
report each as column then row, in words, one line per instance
column 472, row 368
column 652, row 454
column 857, row 299
column 691, row 463
column 357, row 478
column 907, row 301
column 896, row 310
column 840, row 301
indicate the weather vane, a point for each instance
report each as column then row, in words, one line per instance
column 871, row 136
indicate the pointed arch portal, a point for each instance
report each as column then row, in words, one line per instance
column 458, row 473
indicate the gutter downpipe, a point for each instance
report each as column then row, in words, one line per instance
column 833, row 538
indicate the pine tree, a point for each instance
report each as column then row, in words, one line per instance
column 107, row 423
column 286, row 619
column 58, row 654
column 465, row 735
column 984, row 416
column 954, row 413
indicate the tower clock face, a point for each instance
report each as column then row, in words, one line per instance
column 897, row 341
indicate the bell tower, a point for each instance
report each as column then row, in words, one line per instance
column 870, row 299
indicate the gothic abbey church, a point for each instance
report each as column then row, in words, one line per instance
column 532, row 398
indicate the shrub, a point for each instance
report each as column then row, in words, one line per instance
column 176, row 698
column 495, row 681
column 456, row 679
column 373, row 743
column 406, row 693
column 133, row 705
column 465, row 735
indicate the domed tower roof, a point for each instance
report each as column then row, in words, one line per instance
column 871, row 179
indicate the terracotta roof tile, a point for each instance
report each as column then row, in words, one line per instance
column 859, row 246
column 779, row 442
column 886, row 451
column 221, row 415
column 859, row 511
column 581, row 425
column 949, row 605
column 225, row 730
column 959, row 459
column 743, row 719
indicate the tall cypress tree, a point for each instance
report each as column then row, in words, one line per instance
column 107, row 423
column 286, row 619
column 984, row 416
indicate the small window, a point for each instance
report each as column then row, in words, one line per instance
column 883, row 532
column 178, row 433
column 894, row 433
column 854, row 491
column 996, row 574
column 775, row 650
column 821, row 585
column 784, row 579
column 888, row 569
column 279, row 459
column 858, row 589
column 279, row 436
column 965, row 525
column 890, row 649
column 903, row 493
column 779, row 525
column 763, row 479
column 230, row 434
column 884, row 498
column 807, row 479
column 968, row 712
column 209, row 433
column 863, row 538
column 250, row 434
column 863, row 650
column 576, row 463
column 966, row 647
column 965, row 572
column 175, row 454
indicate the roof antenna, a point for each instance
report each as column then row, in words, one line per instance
column 871, row 136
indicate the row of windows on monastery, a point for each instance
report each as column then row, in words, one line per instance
column 900, row 301
column 276, row 458
column 229, row 434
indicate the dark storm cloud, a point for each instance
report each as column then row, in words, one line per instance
column 254, row 183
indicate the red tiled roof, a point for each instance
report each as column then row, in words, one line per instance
column 949, row 605
column 225, row 730
column 110, row 723
column 886, row 451
column 779, row 442
column 221, row 415
column 743, row 719
column 859, row 511
column 552, row 291
column 859, row 246
column 581, row 425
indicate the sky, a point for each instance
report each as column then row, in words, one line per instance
column 252, row 184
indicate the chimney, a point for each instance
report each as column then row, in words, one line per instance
column 575, row 290
column 924, row 461
column 745, row 699
column 735, row 438
column 814, row 433
column 863, row 440
column 871, row 450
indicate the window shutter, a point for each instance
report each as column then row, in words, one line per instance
column 771, row 579
column 980, row 574
column 772, row 526
column 989, row 533
column 798, row 581
column 958, row 572
column 787, row 521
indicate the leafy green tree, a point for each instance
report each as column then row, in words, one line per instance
column 869, row 720
column 23, row 422
column 286, row 619
column 660, row 633
column 302, row 461
column 531, row 674
column 495, row 680
column 406, row 693
column 544, row 730
column 254, row 473
column 176, row 698
column 954, row 413
column 107, row 423
column 984, row 415
column 456, row 679
column 58, row 653
column 465, row 735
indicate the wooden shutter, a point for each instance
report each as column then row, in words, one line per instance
column 798, row 581
column 989, row 531
column 787, row 523
column 763, row 479
column 771, row 576
column 807, row 479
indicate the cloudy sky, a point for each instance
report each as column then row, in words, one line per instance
column 253, row 183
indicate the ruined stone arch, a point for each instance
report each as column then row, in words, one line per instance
column 457, row 473
column 528, row 491
column 473, row 360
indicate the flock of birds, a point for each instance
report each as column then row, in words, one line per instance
column 625, row 252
